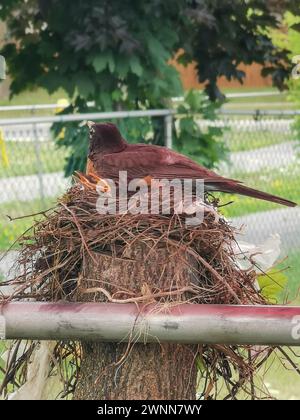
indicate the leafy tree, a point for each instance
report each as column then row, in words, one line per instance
column 117, row 54
column 239, row 33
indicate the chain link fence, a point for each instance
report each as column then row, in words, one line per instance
column 262, row 153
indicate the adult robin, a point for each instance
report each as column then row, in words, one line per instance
column 109, row 153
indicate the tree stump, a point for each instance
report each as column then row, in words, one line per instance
column 142, row 371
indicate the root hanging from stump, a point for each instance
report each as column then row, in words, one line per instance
column 76, row 254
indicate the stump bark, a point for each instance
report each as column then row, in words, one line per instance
column 142, row 371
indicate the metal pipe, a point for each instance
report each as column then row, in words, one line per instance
column 185, row 323
column 135, row 114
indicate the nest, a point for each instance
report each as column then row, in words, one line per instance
column 56, row 257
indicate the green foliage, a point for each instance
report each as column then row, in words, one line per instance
column 73, row 137
column 238, row 32
column 272, row 285
column 204, row 146
column 102, row 47
column 290, row 38
column 117, row 54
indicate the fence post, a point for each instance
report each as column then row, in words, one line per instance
column 168, row 130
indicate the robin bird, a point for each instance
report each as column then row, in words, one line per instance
column 109, row 153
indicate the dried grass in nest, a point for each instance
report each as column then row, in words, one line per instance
column 54, row 256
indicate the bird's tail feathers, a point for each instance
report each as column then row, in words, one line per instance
column 236, row 188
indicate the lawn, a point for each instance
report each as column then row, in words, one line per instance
column 11, row 230
column 292, row 265
column 280, row 377
column 2, row 349
column 38, row 96
column 253, row 101
column 25, row 158
column 240, row 141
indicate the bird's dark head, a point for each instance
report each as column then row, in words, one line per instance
column 105, row 138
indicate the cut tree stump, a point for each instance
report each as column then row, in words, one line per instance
column 141, row 371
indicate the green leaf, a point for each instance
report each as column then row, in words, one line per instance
column 122, row 66
column 272, row 284
column 111, row 62
column 84, row 84
column 106, row 101
column 100, row 62
column 135, row 66
column 200, row 365
column 157, row 49
column 116, row 95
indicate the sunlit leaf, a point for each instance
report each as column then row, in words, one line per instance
column 272, row 285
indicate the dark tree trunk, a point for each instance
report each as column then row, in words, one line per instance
column 142, row 371
column 150, row 371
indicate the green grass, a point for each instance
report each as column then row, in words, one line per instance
column 243, row 89
column 37, row 96
column 281, row 379
column 292, row 265
column 11, row 230
column 24, row 158
column 2, row 349
column 279, row 97
column 241, row 141
column 279, row 101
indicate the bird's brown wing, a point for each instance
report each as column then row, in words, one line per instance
column 158, row 162
column 141, row 161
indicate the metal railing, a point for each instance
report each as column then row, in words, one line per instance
column 167, row 114
column 185, row 323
